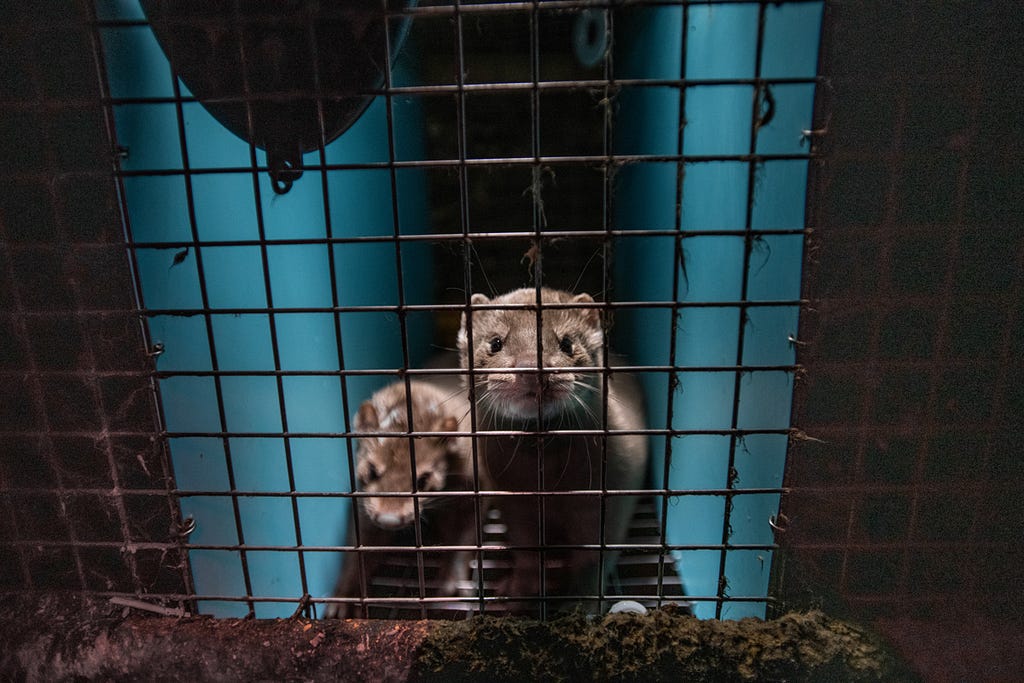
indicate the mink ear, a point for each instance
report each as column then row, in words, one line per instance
column 462, row 340
column 591, row 315
column 366, row 418
column 446, row 424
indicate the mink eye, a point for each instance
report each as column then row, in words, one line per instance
column 496, row 344
column 566, row 345
column 371, row 473
column 423, row 481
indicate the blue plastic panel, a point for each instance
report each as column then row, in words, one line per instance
column 721, row 43
column 226, row 208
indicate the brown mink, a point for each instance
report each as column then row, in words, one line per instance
column 443, row 463
column 556, row 397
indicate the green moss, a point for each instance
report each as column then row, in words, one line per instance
column 662, row 645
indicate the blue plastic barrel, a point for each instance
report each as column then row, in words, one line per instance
column 359, row 203
column 721, row 45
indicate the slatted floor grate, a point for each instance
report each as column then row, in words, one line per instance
column 637, row 575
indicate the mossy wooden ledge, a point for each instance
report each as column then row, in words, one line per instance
column 66, row 638
column 659, row 646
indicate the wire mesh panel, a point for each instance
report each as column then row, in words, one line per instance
column 276, row 313
column 651, row 155
column 613, row 153
column 739, row 186
column 249, row 296
column 911, row 485
column 84, row 486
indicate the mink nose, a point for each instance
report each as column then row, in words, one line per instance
column 389, row 520
column 528, row 379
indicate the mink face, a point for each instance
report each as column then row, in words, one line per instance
column 508, row 338
column 384, row 467
column 384, row 462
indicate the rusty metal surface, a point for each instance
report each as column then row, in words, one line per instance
column 903, row 498
column 84, row 485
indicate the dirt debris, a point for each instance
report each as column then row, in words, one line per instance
column 660, row 646
column 68, row 637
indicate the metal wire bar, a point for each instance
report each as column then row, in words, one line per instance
column 188, row 312
column 731, row 474
column 838, row 491
column 499, row 432
column 408, row 550
column 593, row 160
column 503, row 87
column 549, row 235
column 539, row 223
column 267, row 288
column 679, row 266
column 242, row 493
column 400, row 287
column 205, row 310
column 607, row 281
column 336, row 324
column 402, row 600
column 454, row 8
column 467, row 262
column 747, row 369
column 208, row 322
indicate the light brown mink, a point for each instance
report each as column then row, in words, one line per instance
column 536, row 402
column 443, row 463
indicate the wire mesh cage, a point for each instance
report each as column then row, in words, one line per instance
column 255, row 231
column 273, row 307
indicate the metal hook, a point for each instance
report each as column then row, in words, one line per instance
column 284, row 170
column 780, row 523
column 188, row 525
column 808, row 133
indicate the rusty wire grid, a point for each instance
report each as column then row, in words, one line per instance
column 905, row 502
column 904, row 494
column 89, row 490
column 85, row 484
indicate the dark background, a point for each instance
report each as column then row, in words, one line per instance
column 915, row 340
column 83, row 477
column 907, row 506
